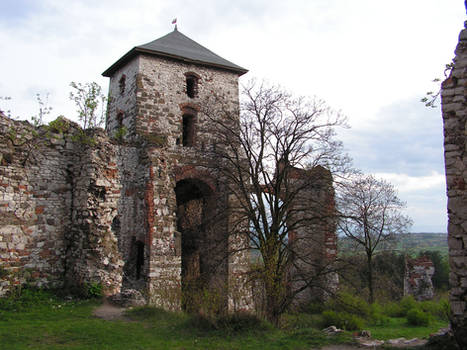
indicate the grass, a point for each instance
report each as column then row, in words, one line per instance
column 40, row 320
column 397, row 327
column 52, row 323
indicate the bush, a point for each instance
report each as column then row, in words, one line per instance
column 93, row 290
column 377, row 316
column 416, row 317
column 342, row 320
column 439, row 309
column 408, row 303
column 350, row 304
column 393, row 309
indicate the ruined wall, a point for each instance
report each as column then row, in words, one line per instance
column 417, row 279
column 314, row 242
column 58, row 195
column 35, row 202
column 92, row 247
column 454, row 107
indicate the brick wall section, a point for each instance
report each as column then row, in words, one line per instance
column 417, row 280
column 454, row 108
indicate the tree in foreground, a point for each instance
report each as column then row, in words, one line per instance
column 284, row 147
column 371, row 216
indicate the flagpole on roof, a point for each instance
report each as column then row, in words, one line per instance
column 174, row 21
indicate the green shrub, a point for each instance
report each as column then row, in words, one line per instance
column 350, row 304
column 377, row 316
column 342, row 320
column 439, row 309
column 408, row 303
column 416, row 317
column 93, row 290
column 393, row 309
column 300, row 320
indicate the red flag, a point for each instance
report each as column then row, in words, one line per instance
column 174, row 21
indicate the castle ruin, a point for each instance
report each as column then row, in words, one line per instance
column 141, row 206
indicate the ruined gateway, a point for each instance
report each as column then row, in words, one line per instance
column 131, row 214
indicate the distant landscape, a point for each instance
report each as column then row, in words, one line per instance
column 415, row 242
column 411, row 243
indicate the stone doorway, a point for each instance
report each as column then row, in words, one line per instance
column 202, row 249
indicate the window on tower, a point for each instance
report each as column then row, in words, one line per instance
column 121, row 84
column 188, row 130
column 191, row 85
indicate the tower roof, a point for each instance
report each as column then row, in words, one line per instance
column 180, row 47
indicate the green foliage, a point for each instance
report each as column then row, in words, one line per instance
column 408, row 303
column 90, row 103
column 93, row 290
column 416, row 317
column 439, row 309
column 342, row 320
column 84, row 138
column 349, row 303
column 59, row 125
column 120, row 133
column 26, row 298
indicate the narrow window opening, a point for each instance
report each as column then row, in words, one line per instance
column 191, row 86
column 188, row 130
column 139, row 258
column 120, row 119
column 121, row 84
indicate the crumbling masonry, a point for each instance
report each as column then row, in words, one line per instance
column 139, row 206
column 454, row 107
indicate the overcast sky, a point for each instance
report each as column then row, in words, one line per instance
column 372, row 59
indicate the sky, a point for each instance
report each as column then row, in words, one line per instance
column 371, row 59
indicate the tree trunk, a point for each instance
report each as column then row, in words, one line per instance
column 370, row 278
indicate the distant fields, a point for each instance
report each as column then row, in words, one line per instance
column 411, row 243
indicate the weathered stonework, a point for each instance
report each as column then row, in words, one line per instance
column 140, row 208
column 417, row 279
column 454, row 107
column 314, row 243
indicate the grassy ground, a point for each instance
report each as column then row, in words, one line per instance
column 57, row 324
column 39, row 320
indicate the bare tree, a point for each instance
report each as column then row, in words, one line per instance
column 371, row 216
column 283, row 148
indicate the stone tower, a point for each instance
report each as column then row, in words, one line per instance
column 172, row 220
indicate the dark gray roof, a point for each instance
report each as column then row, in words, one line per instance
column 178, row 46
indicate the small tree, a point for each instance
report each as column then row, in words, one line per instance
column 278, row 137
column 91, row 103
column 370, row 215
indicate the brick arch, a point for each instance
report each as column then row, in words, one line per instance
column 189, row 172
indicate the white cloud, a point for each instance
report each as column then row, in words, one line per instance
column 359, row 55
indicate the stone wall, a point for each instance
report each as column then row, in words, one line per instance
column 454, row 108
column 417, row 279
column 314, row 242
column 35, row 204
column 58, row 197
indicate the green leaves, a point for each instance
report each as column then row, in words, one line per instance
column 90, row 103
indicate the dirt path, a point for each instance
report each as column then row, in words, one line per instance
column 109, row 312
